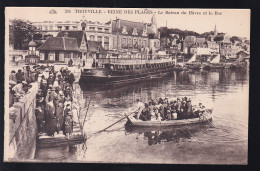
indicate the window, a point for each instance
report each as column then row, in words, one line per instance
column 106, row 46
column 135, row 31
column 106, row 39
column 114, row 41
column 106, row 30
column 92, row 38
column 144, row 43
column 134, row 42
column 124, row 30
column 59, row 27
column 51, row 27
column 130, row 41
column 99, row 39
column 74, row 27
column 99, row 29
column 106, row 42
column 123, row 41
column 92, row 28
column 67, row 27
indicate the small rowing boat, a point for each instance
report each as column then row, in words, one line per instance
column 202, row 119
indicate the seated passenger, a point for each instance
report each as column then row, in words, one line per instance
column 158, row 115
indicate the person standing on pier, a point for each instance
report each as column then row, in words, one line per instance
column 59, row 118
column 51, row 119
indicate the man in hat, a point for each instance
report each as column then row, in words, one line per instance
column 189, row 110
column 12, row 78
column 19, row 89
column 178, row 108
column 19, row 76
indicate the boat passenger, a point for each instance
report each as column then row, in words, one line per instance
column 145, row 116
column 184, row 109
column 140, row 107
column 189, row 110
column 157, row 114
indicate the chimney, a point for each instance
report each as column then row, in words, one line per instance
column 118, row 23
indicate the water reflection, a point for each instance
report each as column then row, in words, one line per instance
column 225, row 90
column 167, row 134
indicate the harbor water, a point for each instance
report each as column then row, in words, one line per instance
column 225, row 141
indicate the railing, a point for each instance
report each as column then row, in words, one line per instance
column 18, row 52
column 131, row 61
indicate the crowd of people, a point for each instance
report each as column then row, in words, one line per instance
column 163, row 109
column 56, row 109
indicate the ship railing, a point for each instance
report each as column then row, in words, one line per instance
column 131, row 61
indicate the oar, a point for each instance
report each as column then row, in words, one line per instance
column 114, row 123
column 86, row 113
column 204, row 117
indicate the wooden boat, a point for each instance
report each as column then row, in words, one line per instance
column 215, row 63
column 119, row 73
column 202, row 119
column 43, row 140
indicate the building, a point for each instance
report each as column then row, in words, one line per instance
column 115, row 34
column 188, row 42
column 46, row 29
column 201, row 42
column 32, row 57
column 66, row 46
column 100, row 32
column 213, row 46
column 135, row 35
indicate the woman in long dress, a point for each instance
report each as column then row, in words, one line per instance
column 51, row 119
column 75, row 109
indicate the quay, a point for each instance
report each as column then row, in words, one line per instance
column 22, row 124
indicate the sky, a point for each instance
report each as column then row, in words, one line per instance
column 235, row 22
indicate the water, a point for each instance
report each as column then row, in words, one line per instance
column 226, row 143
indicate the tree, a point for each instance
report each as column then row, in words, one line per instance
column 20, row 33
column 235, row 38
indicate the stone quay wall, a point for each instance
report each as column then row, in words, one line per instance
column 23, row 126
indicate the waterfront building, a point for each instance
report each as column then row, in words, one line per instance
column 47, row 29
column 67, row 45
column 115, row 34
column 188, row 42
column 213, row 46
column 135, row 35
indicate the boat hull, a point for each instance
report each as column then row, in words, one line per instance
column 108, row 77
column 136, row 122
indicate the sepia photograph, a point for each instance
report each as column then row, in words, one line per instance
column 126, row 85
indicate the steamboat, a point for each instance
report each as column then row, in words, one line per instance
column 127, row 70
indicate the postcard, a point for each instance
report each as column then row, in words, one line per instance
column 126, row 85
